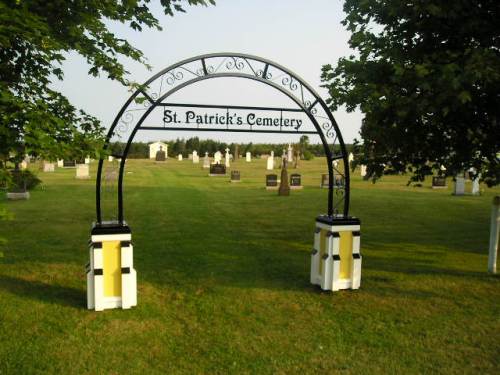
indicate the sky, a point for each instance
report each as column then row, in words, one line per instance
column 300, row 35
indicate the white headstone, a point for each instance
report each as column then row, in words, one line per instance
column 179, row 157
column 196, row 158
column 363, row 170
column 110, row 158
column 155, row 147
column 459, row 185
column 249, row 157
column 217, row 157
column 351, row 157
column 48, row 167
column 24, row 164
column 87, row 160
column 206, row 161
column 82, row 171
column 475, row 185
column 290, row 153
column 227, row 158
column 335, row 163
column 60, row 163
column 270, row 163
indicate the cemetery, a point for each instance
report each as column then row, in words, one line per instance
column 254, row 281
column 347, row 222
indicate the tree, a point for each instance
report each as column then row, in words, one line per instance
column 427, row 78
column 34, row 37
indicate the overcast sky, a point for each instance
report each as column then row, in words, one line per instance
column 300, row 35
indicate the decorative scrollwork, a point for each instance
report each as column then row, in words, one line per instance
column 153, row 96
column 307, row 104
column 260, row 72
column 200, row 72
column 290, row 82
column 329, row 130
column 235, row 63
column 173, row 76
column 124, row 123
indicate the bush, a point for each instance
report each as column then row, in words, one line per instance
column 308, row 155
column 22, row 180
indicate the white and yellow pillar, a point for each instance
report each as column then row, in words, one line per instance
column 336, row 258
column 111, row 277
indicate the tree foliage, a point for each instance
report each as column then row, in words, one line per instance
column 426, row 75
column 35, row 36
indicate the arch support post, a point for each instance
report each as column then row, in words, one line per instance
column 111, row 277
column 336, row 257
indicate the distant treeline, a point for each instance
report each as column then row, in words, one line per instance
column 140, row 150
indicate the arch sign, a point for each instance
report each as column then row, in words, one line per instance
column 335, row 258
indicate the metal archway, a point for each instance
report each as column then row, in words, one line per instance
column 153, row 93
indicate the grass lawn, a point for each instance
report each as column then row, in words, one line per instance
column 223, row 280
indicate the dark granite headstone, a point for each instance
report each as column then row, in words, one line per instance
column 438, row 182
column 160, row 155
column 295, row 181
column 69, row 163
column 217, row 170
column 271, row 182
column 235, row 176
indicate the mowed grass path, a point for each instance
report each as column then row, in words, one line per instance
column 223, row 280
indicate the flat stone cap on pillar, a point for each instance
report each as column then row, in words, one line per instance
column 110, row 227
column 338, row 220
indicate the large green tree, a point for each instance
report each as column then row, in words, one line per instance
column 35, row 36
column 426, row 75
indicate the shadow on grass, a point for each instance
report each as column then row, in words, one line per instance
column 44, row 292
column 414, row 266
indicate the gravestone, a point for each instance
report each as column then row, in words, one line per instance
column 272, row 182
column 17, row 190
column 48, row 167
column 217, row 170
column 82, row 171
column 179, row 157
column 290, row 153
column 236, row 152
column 206, row 161
column 87, row 160
column 351, row 158
column 297, row 158
column 235, row 176
column 295, row 181
column 248, row 157
column 160, row 155
column 196, row 158
column 324, row 181
column 363, row 170
column 69, row 164
column 60, row 163
column 24, row 164
column 110, row 158
column 270, row 162
column 459, row 185
column 439, row 182
column 217, row 157
column 227, row 156
column 475, row 185
column 284, row 189
column 338, row 182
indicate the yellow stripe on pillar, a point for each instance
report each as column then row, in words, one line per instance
column 111, row 254
column 345, row 254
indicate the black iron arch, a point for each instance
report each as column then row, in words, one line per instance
column 151, row 94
